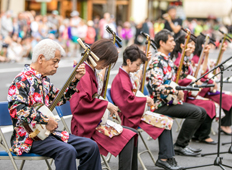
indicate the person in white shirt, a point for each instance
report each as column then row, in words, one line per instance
column 7, row 25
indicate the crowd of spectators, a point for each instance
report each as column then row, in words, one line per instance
column 19, row 34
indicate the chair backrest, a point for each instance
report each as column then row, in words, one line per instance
column 4, row 114
column 5, row 120
column 145, row 91
column 64, row 110
column 108, row 95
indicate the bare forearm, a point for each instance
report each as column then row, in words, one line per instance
column 175, row 28
column 205, row 63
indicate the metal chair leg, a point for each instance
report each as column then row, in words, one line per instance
column 147, row 150
column 149, row 138
column 213, row 132
column 141, row 162
column 13, row 162
column 108, row 157
column 178, row 125
column 22, row 164
column 4, row 144
column 106, row 163
column 49, row 165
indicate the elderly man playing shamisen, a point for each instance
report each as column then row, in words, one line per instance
column 32, row 87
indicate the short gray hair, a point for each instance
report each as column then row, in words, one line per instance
column 47, row 48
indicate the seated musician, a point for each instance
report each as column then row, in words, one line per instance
column 226, row 97
column 203, row 132
column 132, row 107
column 32, row 87
column 160, row 70
column 88, row 110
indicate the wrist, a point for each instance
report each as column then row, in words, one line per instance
column 147, row 99
column 74, row 79
column 108, row 105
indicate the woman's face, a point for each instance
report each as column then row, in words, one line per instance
column 192, row 46
column 101, row 64
column 134, row 66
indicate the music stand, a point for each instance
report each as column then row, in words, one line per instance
column 230, row 148
column 218, row 159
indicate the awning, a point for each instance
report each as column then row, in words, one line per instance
column 206, row 8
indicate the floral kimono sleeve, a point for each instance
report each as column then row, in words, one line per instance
column 67, row 94
column 136, row 79
column 20, row 105
column 155, row 77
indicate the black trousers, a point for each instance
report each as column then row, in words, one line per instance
column 128, row 157
column 226, row 121
column 65, row 154
column 194, row 117
column 203, row 132
column 166, row 149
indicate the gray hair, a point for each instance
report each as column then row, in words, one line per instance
column 47, row 48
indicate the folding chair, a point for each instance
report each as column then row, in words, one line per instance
column 64, row 110
column 5, row 120
column 178, row 124
column 108, row 95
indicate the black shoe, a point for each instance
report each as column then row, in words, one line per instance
column 174, row 163
column 210, row 143
column 167, row 165
column 194, row 150
column 184, row 151
column 226, row 132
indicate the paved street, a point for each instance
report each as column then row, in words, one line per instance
column 9, row 70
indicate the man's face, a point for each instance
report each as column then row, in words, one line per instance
column 169, row 45
column 172, row 13
column 49, row 67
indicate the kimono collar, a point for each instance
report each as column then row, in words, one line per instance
column 166, row 57
column 91, row 72
column 30, row 71
column 124, row 71
column 89, row 66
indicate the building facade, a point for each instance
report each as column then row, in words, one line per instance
column 123, row 10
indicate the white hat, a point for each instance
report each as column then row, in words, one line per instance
column 74, row 13
column 90, row 23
